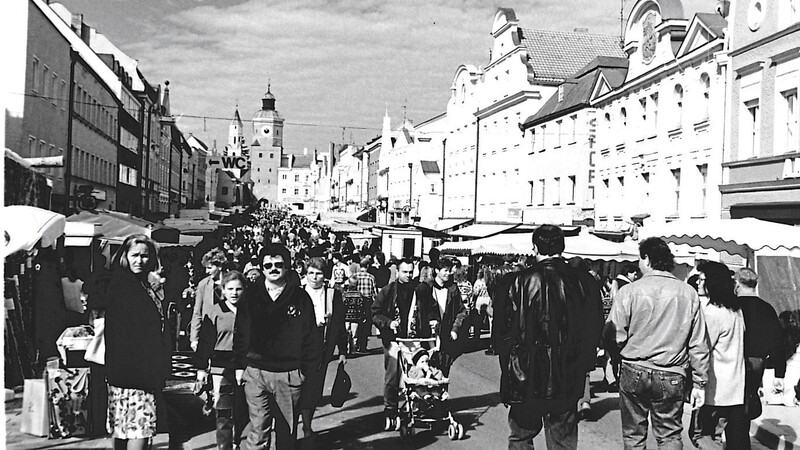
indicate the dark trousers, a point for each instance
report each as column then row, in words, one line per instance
column 560, row 429
column 365, row 327
column 655, row 393
column 709, row 422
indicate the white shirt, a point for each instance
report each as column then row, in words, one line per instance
column 318, row 299
column 441, row 298
column 274, row 293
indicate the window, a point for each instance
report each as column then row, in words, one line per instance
column 705, row 85
column 35, row 74
column 296, row 178
column 296, row 191
column 623, row 117
column 654, row 104
column 463, row 93
column 260, row 155
column 607, row 124
column 224, row 191
column 571, row 190
column 558, row 133
column 283, row 191
column 53, row 86
column 560, row 92
column 271, row 155
column 544, row 138
column 557, row 191
column 790, row 122
column 678, row 105
column 751, row 130
column 573, row 128
column 541, row 191
column 533, row 192
column 702, row 171
column 620, row 189
column 646, row 185
column 306, row 191
column 643, row 108
column 284, row 177
column 676, row 177
column 31, row 146
column 45, row 81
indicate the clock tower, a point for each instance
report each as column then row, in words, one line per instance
column 266, row 150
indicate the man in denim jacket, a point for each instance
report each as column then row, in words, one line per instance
column 660, row 333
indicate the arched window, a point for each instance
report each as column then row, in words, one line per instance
column 705, row 87
column 623, row 117
column 678, row 105
column 463, row 93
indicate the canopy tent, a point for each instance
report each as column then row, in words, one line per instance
column 443, row 225
column 734, row 236
column 24, row 226
column 584, row 245
column 115, row 227
column 80, row 234
column 195, row 226
column 482, row 230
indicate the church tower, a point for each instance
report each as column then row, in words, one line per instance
column 235, row 135
column 266, row 150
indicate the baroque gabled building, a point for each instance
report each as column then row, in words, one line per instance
column 660, row 133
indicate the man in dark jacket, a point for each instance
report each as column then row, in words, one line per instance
column 451, row 313
column 403, row 309
column 563, row 317
column 275, row 345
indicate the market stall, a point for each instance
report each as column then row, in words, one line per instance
column 771, row 249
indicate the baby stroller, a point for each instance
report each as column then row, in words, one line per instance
column 423, row 401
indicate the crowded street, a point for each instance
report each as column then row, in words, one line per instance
column 258, row 225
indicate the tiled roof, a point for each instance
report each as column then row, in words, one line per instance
column 714, row 22
column 429, row 166
column 558, row 54
column 578, row 90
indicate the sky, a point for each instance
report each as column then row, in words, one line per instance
column 331, row 63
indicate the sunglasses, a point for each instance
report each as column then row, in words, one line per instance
column 278, row 265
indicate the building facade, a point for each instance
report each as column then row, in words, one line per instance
column 266, row 150
column 296, row 179
column 761, row 169
column 660, row 133
column 561, row 153
column 483, row 178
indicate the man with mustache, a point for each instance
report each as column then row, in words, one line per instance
column 275, row 346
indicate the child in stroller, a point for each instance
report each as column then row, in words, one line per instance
column 423, row 390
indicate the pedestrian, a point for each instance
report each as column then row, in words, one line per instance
column 483, row 302
column 762, row 336
column 215, row 356
column 451, row 313
column 369, row 291
column 208, row 291
column 275, row 345
column 138, row 343
column 723, row 409
column 562, row 313
column 379, row 270
column 329, row 316
column 627, row 276
column 660, row 332
column 400, row 311
column 339, row 271
column 252, row 271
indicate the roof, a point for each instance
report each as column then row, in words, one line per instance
column 480, row 230
column 443, row 224
column 237, row 119
column 714, row 22
column 559, row 54
column 429, row 166
column 300, row 161
column 578, row 91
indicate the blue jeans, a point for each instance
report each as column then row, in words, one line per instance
column 659, row 393
column 272, row 400
column 560, row 429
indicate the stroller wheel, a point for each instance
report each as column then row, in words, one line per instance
column 406, row 432
column 397, row 423
column 459, row 432
column 388, row 424
column 452, row 432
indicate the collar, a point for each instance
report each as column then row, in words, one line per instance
column 659, row 273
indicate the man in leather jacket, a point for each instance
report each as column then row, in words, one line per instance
column 563, row 314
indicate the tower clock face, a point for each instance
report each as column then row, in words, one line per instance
column 265, row 131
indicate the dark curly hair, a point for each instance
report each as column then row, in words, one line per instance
column 719, row 285
column 659, row 254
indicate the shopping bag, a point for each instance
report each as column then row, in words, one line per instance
column 35, row 413
column 96, row 351
column 341, row 386
column 67, row 391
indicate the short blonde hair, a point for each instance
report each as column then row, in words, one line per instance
column 120, row 258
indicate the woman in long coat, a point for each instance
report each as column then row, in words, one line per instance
column 138, row 343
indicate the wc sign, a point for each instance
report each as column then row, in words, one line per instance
column 229, row 162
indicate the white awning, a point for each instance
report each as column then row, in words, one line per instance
column 443, row 225
column 26, row 225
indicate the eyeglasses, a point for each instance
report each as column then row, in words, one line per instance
column 278, row 265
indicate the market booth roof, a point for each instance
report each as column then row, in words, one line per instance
column 24, row 226
column 115, row 227
column 584, row 245
column 482, row 230
column 734, row 236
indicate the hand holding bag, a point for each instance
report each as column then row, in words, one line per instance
column 96, row 351
column 341, row 387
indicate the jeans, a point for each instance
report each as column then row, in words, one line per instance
column 365, row 327
column 659, row 393
column 391, row 379
column 560, row 429
column 272, row 395
column 709, row 422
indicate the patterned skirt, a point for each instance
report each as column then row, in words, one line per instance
column 131, row 413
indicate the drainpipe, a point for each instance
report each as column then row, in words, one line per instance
column 477, row 153
column 444, row 164
column 73, row 56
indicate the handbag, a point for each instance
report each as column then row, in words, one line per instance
column 754, row 367
column 341, row 386
column 515, row 375
column 96, row 351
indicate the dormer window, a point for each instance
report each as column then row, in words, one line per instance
column 560, row 93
